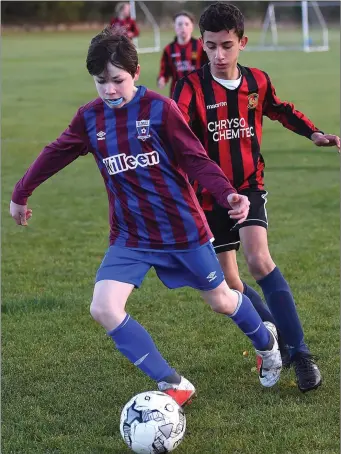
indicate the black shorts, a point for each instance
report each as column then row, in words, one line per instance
column 226, row 231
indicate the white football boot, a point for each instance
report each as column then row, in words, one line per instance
column 269, row 361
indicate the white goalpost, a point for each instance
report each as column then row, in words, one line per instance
column 312, row 35
column 155, row 27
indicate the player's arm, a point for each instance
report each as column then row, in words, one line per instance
column 193, row 159
column 71, row 144
column 292, row 119
column 134, row 30
column 165, row 69
column 184, row 97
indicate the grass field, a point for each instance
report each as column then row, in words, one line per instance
column 63, row 383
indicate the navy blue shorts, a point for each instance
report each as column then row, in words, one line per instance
column 197, row 268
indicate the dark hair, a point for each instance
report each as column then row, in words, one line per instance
column 222, row 16
column 113, row 47
column 184, row 13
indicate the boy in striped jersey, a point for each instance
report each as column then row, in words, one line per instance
column 183, row 54
column 144, row 150
column 224, row 103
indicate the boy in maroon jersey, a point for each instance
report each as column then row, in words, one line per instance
column 145, row 152
column 183, row 54
column 224, row 104
column 124, row 22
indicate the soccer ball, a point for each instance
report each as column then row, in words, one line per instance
column 152, row 423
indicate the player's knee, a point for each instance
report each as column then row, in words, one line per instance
column 223, row 302
column 234, row 282
column 259, row 263
column 96, row 311
column 102, row 310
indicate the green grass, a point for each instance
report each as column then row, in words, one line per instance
column 63, row 383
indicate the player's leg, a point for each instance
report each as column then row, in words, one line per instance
column 229, row 265
column 108, row 309
column 226, row 243
column 200, row 269
column 280, row 300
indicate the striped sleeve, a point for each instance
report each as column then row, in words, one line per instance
column 134, row 29
column 286, row 114
column 71, row 144
column 184, row 97
column 165, row 69
column 193, row 159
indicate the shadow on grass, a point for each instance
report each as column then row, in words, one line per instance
column 31, row 305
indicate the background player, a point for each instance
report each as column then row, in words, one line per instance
column 183, row 54
column 144, row 150
column 123, row 22
column 230, row 101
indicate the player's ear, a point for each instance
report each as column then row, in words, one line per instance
column 243, row 42
column 203, row 44
column 137, row 74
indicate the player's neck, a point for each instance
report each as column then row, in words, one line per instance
column 231, row 73
column 183, row 42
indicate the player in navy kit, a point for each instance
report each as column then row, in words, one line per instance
column 144, row 150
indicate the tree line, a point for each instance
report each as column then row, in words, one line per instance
column 56, row 12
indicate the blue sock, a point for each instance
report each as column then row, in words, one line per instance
column 247, row 319
column 279, row 298
column 134, row 342
column 258, row 304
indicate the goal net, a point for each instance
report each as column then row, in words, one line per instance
column 293, row 26
column 150, row 41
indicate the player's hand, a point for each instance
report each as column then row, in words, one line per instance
column 240, row 205
column 325, row 140
column 20, row 213
column 161, row 83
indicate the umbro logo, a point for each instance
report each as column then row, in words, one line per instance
column 101, row 135
column 211, row 276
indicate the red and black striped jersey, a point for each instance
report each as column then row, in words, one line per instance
column 179, row 60
column 128, row 24
column 229, row 123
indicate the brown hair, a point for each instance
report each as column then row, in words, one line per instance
column 184, row 13
column 113, row 47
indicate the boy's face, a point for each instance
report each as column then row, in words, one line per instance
column 116, row 86
column 222, row 49
column 183, row 27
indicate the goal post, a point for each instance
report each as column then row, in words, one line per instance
column 311, row 34
column 154, row 25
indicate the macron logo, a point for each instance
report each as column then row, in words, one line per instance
column 212, row 276
column 122, row 163
column 101, row 135
column 215, row 106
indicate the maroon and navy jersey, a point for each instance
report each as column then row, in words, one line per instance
column 128, row 24
column 144, row 151
column 229, row 123
column 179, row 60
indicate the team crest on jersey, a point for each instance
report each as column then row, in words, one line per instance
column 142, row 127
column 194, row 55
column 252, row 100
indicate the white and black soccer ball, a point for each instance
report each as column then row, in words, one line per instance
column 152, row 423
